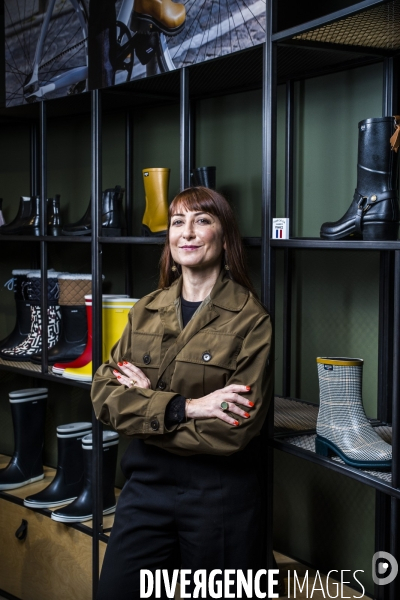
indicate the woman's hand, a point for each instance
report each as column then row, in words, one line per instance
column 210, row 405
column 131, row 376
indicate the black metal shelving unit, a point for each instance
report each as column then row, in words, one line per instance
column 321, row 46
column 240, row 72
column 364, row 33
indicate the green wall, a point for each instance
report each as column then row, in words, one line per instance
column 335, row 293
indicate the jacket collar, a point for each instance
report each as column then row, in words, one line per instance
column 226, row 294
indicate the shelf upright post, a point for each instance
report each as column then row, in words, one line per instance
column 34, row 174
column 34, row 158
column 129, row 198
column 395, row 504
column 96, row 151
column 192, row 138
column 43, row 229
column 267, row 252
column 184, row 130
column 385, row 343
column 288, row 254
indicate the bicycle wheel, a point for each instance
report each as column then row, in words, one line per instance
column 46, row 49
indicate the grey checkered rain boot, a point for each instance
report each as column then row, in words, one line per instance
column 342, row 426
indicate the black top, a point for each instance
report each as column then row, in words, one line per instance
column 175, row 411
column 188, row 310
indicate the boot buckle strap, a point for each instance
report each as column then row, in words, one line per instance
column 362, row 207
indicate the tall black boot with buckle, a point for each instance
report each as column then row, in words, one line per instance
column 374, row 212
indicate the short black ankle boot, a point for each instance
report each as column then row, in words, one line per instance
column 204, row 176
column 28, row 409
column 68, row 482
column 113, row 218
column 374, row 212
column 81, row 509
column 18, row 283
column 25, row 211
column 53, row 216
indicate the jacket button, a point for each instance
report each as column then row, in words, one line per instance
column 146, row 359
column 161, row 385
column 206, row 356
column 154, row 424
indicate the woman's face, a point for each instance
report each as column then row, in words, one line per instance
column 196, row 238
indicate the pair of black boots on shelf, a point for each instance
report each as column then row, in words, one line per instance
column 27, row 220
column 67, row 327
column 71, row 487
column 374, row 212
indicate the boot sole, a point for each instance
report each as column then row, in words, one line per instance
column 378, row 231
column 146, row 232
column 17, row 357
column 80, row 519
column 32, row 504
column 81, row 232
column 324, row 447
column 77, row 377
column 14, row 486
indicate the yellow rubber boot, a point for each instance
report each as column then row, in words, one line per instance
column 81, row 374
column 155, row 218
column 115, row 317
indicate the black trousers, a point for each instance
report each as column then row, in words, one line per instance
column 196, row 512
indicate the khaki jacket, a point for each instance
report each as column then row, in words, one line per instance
column 226, row 341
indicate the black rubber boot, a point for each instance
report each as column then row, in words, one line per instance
column 53, row 216
column 81, row 227
column 113, row 218
column 74, row 327
column 28, row 409
column 68, row 482
column 25, row 211
column 204, row 176
column 374, row 212
column 22, row 327
column 32, row 344
column 81, row 509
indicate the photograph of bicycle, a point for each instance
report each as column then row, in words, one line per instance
column 61, row 47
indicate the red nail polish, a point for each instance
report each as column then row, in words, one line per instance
column 246, row 415
column 251, row 403
column 125, row 362
column 237, row 423
column 115, row 371
column 120, row 364
column 248, row 388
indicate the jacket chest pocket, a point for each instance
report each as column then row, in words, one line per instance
column 146, row 354
column 206, row 363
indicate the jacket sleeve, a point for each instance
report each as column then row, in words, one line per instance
column 213, row 436
column 135, row 411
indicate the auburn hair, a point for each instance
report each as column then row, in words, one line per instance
column 207, row 200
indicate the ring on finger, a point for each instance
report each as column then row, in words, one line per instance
column 224, row 406
column 132, row 382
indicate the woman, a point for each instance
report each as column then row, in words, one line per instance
column 189, row 381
